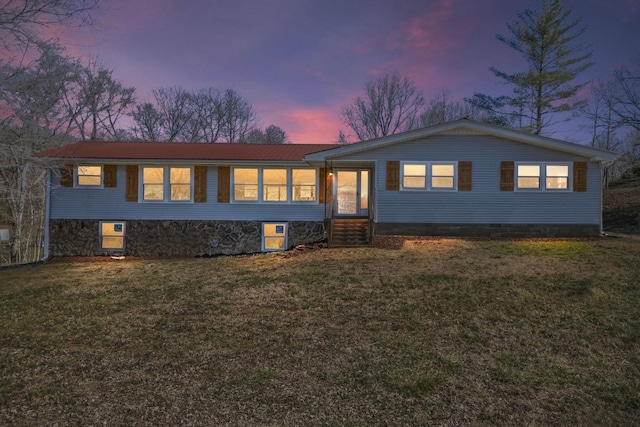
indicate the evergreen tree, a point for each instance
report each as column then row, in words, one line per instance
column 546, row 39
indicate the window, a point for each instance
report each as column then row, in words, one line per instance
column 180, row 183
column 274, row 185
column 89, row 176
column 166, row 184
column 542, row 176
column 557, row 177
column 274, row 236
column 442, row 176
column 245, row 184
column 112, row 236
column 429, row 176
column 303, row 185
column 153, row 183
column 528, row 176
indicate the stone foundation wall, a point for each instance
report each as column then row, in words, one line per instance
column 488, row 230
column 175, row 238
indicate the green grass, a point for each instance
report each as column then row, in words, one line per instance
column 439, row 332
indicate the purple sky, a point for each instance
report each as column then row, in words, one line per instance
column 299, row 61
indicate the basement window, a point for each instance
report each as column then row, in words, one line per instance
column 112, row 236
column 274, row 236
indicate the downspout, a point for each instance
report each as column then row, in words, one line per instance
column 47, row 209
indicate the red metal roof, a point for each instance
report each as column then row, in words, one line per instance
column 183, row 151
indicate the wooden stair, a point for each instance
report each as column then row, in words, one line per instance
column 347, row 232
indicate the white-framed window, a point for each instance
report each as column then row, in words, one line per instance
column 274, row 185
column 245, row 184
column 167, row 183
column 429, row 175
column 274, row 236
column 112, row 235
column 89, row 176
column 303, row 185
column 543, row 176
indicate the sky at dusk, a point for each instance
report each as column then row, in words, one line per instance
column 299, row 61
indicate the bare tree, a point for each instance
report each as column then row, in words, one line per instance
column 271, row 135
column 238, row 116
column 442, row 109
column 147, row 122
column 34, row 118
column 627, row 109
column 175, row 105
column 391, row 104
column 21, row 20
column 99, row 103
column 206, row 124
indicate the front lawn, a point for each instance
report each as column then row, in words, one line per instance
column 438, row 332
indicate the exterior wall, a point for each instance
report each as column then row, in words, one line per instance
column 110, row 204
column 485, row 204
column 71, row 237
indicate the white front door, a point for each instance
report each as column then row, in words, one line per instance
column 352, row 192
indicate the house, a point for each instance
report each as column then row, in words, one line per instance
column 461, row 178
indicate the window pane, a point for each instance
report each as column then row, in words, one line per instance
column 274, row 176
column 153, row 192
column 89, row 170
column 152, row 175
column 180, row 175
column 442, row 170
column 180, row 192
column 528, row 170
column 558, row 182
column 557, row 170
column 528, row 182
column 109, row 229
column 303, row 176
column 415, row 170
column 274, row 193
column 414, row 182
column 274, row 229
column 274, row 242
column 364, row 189
column 88, row 180
column 442, row 182
column 110, row 242
column 245, row 176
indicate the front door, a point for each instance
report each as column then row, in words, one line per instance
column 352, row 193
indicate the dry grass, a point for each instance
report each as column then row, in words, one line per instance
column 439, row 332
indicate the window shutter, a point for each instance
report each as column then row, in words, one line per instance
column 464, row 176
column 132, row 183
column 507, row 170
column 325, row 195
column 66, row 176
column 110, row 176
column 579, row 176
column 393, row 175
column 200, row 184
column 224, row 184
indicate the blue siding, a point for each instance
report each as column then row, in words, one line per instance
column 485, row 204
column 110, row 204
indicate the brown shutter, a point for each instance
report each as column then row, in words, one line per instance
column 200, row 184
column 110, row 176
column 325, row 190
column 132, row 183
column 579, row 176
column 393, row 175
column 464, row 176
column 506, row 176
column 224, row 184
column 66, row 176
